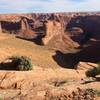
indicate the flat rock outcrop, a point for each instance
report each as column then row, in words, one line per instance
column 86, row 65
column 41, row 84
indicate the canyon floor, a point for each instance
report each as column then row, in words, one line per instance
column 47, row 81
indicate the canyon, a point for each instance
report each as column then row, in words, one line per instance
column 64, row 32
column 62, row 46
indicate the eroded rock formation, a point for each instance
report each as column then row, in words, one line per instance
column 55, row 36
column 24, row 25
column 62, row 31
column 52, row 29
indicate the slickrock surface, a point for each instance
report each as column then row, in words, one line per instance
column 42, row 84
column 86, row 65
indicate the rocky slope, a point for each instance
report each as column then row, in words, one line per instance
column 46, row 84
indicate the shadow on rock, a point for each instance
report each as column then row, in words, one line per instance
column 88, row 54
column 37, row 40
column 65, row 60
column 8, row 66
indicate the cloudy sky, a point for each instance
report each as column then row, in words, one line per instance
column 43, row 6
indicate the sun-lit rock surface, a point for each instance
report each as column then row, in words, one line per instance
column 72, row 41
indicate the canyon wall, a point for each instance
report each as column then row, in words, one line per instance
column 63, row 31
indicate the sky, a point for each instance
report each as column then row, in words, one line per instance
column 48, row 6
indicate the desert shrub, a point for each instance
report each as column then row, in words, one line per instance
column 93, row 91
column 93, row 72
column 22, row 63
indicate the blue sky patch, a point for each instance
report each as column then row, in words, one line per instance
column 44, row 6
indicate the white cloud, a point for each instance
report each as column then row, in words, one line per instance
column 48, row 5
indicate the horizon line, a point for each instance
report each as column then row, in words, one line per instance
column 51, row 12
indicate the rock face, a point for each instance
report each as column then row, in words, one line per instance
column 0, row 28
column 55, row 37
column 71, row 30
column 52, row 29
column 24, row 24
column 90, row 27
column 25, row 29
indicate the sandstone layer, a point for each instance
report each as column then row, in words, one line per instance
column 44, row 84
column 61, row 30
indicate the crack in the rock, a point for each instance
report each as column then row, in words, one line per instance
column 3, row 78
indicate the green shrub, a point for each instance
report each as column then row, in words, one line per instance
column 93, row 72
column 22, row 63
column 93, row 91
